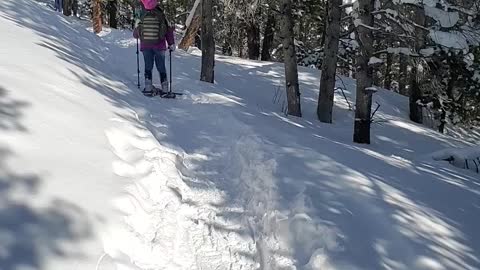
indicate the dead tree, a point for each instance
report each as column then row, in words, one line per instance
column 192, row 25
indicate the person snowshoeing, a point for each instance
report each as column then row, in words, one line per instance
column 156, row 36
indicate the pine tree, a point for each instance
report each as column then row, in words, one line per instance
column 208, row 43
column 327, row 82
column 364, row 22
column 415, row 91
column 97, row 16
column 268, row 36
column 112, row 13
column 291, row 69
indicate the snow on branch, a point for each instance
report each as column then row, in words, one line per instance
column 375, row 61
column 453, row 40
column 358, row 23
column 444, row 18
column 346, row 5
column 405, row 27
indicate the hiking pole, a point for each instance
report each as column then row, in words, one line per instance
column 138, row 68
column 170, row 94
column 170, row 86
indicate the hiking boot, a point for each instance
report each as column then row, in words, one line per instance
column 149, row 89
column 165, row 86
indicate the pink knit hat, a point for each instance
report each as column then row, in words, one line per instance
column 149, row 4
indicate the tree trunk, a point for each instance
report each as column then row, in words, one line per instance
column 192, row 25
column 240, row 42
column 415, row 95
column 268, row 37
column 443, row 121
column 75, row 7
column 291, row 69
column 325, row 23
column 415, row 91
column 329, row 68
column 112, row 13
column 208, row 43
column 302, row 31
column 253, row 41
column 387, row 83
column 364, row 73
column 97, row 16
column 402, row 87
column 67, row 7
column 227, row 41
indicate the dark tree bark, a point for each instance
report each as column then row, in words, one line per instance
column 75, row 7
column 387, row 83
column 415, row 95
column 240, row 42
column 227, row 41
column 364, row 73
column 67, row 7
column 291, row 69
column 415, row 91
column 329, row 66
column 403, row 75
column 112, row 13
column 268, row 37
column 325, row 22
column 227, row 48
column 253, row 40
column 208, row 43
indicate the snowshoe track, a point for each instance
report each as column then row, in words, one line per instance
column 167, row 224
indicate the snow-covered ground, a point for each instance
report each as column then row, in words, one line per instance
column 93, row 175
column 465, row 158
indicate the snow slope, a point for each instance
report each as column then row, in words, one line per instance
column 466, row 158
column 217, row 179
column 55, row 161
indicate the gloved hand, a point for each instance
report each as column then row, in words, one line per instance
column 135, row 33
column 172, row 47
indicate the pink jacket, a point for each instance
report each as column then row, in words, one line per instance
column 162, row 44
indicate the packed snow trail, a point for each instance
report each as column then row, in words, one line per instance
column 216, row 179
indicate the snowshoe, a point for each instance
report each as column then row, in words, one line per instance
column 153, row 92
column 168, row 95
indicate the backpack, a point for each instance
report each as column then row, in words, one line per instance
column 153, row 26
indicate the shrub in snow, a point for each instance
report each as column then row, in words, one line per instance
column 309, row 57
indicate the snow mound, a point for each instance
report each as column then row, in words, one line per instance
column 465, row 158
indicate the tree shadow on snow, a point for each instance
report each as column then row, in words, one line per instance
column 86, row 52
column 31, row 232
column 11, row 112
column 405, row 216
column 399, row 213
column 361, row 216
